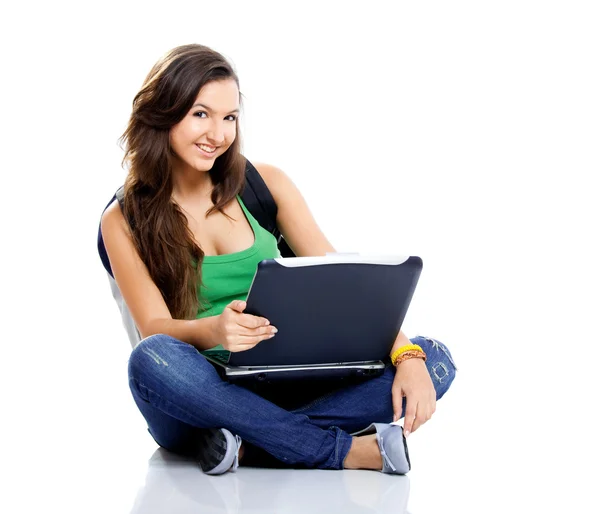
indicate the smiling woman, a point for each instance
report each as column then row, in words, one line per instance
column 208, row 130
column 184, row 249
column 171, row 179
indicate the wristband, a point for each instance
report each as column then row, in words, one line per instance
column 407, row 348
column 410, row 354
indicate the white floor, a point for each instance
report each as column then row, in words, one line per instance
column 448, row 476
column 173, row 485
column 83, row 457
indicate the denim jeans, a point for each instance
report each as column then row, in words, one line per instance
column 299, row 424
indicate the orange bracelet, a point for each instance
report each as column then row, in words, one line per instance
column 410, row 354
column 403, row 349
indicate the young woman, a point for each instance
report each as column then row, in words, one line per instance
column 183, row 250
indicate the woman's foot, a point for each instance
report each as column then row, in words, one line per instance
column 364, row 453
column 219, row 451
column 379, row 438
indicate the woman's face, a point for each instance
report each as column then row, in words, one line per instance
column 208, row 129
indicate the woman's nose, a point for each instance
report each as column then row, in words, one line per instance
column 216, row 133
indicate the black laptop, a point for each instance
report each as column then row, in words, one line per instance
column 337, row 316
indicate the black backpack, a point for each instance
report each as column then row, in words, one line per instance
column 257, row 199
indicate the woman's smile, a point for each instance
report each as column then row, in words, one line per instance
column 206, row 151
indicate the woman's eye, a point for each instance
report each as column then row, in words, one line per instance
column 231, row 117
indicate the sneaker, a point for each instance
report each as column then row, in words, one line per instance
column 392, row 445
column 219, row 450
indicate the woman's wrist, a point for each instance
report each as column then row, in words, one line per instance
column 203, row 336
column 408, row 351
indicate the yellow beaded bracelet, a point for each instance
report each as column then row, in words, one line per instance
column 407, row 348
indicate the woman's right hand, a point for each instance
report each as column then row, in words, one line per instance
column 237, row 331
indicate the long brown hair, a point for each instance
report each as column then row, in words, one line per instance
column 158, row 226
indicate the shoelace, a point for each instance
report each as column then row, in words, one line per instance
column 386, row 459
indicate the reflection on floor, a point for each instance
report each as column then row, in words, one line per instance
column 177, row 485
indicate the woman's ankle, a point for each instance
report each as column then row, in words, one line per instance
column 364, row 453
column 241, row 454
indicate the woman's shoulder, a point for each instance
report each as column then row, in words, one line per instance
column 275, row 178
column 294, row 219
column 112, row 218
column 268, row 172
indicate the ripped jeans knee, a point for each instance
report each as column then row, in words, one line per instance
column 440, row 363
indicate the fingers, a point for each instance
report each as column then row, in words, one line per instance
column 247, row 320
column 237, row 305
column 397, row 403
column 254, row 326
column 420, row 417
column 260, row 332
column 409, row 415
column 244, row 331
column 244, row 343
column 246, row 338
column 422, row 413
column 250, row 321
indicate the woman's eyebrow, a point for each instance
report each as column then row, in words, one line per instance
column 209, row 109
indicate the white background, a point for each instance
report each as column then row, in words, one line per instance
column 464, row 132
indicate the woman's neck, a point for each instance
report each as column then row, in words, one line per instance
column 192, row 187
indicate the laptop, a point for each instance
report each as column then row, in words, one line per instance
column 337, row 316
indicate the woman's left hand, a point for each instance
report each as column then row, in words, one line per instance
column 413, row 381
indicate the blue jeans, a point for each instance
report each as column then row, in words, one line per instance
column 299, row 424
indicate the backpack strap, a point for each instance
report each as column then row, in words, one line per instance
column 101, row 247
column 258, row 200
column 120, row 196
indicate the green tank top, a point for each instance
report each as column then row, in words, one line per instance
column 228, row 277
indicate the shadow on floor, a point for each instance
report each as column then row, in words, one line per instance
column 177, row 485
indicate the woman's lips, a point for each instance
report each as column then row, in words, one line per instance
column 206, row 154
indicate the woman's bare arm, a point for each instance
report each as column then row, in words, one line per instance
column 142, row 296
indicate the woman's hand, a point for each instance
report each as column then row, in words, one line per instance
column 413, row 381
column 237, row 331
